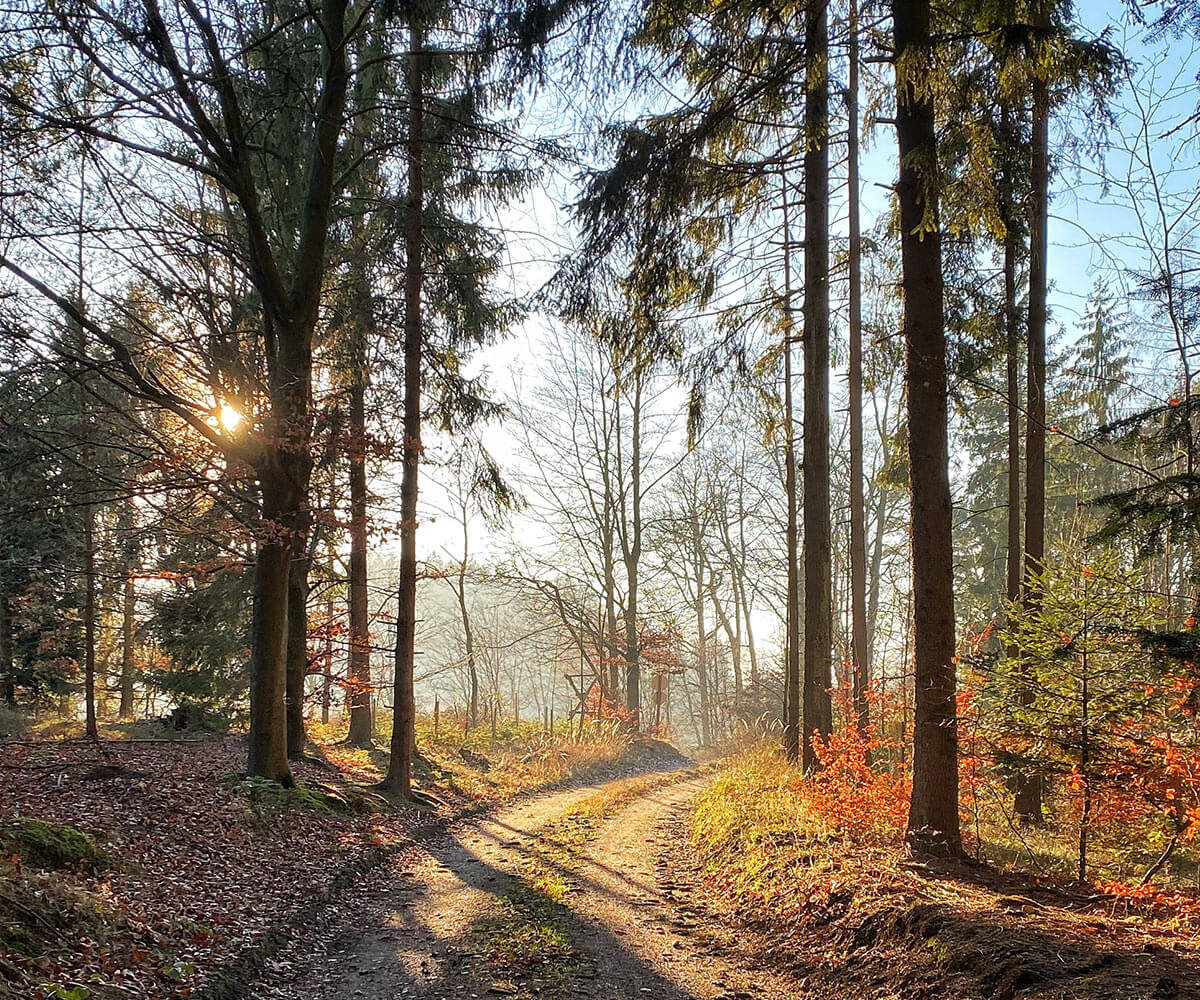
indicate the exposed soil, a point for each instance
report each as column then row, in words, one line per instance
column 441, row 921
column 594, row 893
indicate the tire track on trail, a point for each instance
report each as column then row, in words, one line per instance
column 525, row 903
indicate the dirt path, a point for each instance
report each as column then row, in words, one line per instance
column 504, row 906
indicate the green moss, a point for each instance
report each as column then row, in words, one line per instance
column 50, row 846
column 274, row 796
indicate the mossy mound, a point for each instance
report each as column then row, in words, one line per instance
column 264, row 793
column 50, row 846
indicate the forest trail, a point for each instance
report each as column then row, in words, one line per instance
column 563, row 895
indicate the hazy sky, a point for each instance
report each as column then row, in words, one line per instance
column 1095, row 230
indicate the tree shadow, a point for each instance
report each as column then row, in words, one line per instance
column 408, row 956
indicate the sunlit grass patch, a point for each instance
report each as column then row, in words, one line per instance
column 522, row 948
column 523, row 758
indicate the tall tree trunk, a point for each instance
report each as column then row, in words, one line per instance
column 1013, row 387
column 361, row 730
column 706, row 694
column 933, row 811
column 297, row 647
column 791, row 670
column 267, row 756
column 1028, row 800
column 732, row 627
column 818, row 598
column 290, row 315
column 632, row 541
column 399, row 773
column 468, row 634
column 88, row 511
column 327, row 679
column 281, row 571
column 128, row 625
column 6, row 633
column 859, row 654
column 89, row 618
column 610, row 647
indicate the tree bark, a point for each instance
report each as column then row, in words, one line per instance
column 267, row 755
column 468, row 634
column 290, row 314
column 859, row 654
column 818, row 610
column 1028, row 799
column 1012, row 340
column 128, row 624
column 297, row 647
column 1012, row 380
column 791, row 680
column 88, row 512
column 631, row 541
column 361, row 730
column 399, row 774
column 706, row 698
column 933, row 812
column 327, row 680
column 6, row 635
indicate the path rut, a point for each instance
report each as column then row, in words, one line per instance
column 407, row 931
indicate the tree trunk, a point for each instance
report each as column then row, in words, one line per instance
column 297, row 647
column 732, row 628
column 6, row 635
column 327, row 680
column 290, row 315
column 818, row 611
column 633, row 555
column 1012, row 378
column 89, row 618
column 361, row 730
column 1012, row 338
column 468, row 635
column 933, row 812
column 399, row 773
column 610, row 647
column 268, row 756
column 859, row 656
column 1028, row 800
column 706, row 694
column 791, row 672
column 128, row 623
column 89, row 549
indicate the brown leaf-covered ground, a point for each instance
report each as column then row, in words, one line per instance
column 200, row 869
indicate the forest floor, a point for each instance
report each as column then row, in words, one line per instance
column 152, row 868
column 522, row 884
column 601, row 893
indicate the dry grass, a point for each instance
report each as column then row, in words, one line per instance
column 470, row 767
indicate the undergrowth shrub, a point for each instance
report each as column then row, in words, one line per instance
column 850, row 795
column 775, row 840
